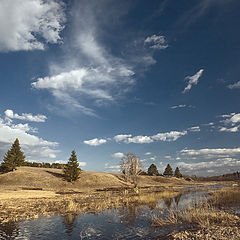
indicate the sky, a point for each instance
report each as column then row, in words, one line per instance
column 157, row 78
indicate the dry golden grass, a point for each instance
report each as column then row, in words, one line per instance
column 226, row 197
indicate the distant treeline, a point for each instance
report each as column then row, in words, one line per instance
column 224, row 177
column 44, row 165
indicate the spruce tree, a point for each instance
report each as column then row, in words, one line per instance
column 8, row 162
column 152, row 170
column 177, row 173
column 19, row 158
column 168, row 171
column 14, row 157
column 71, row 170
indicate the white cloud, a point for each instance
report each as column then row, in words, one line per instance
column 233, row 129
column 231, row 122
column 178, row 106
column 118, row 155
column 169, row 136
column 218, row 166
column 192, row 80
column 148, row 153
column 89, row 75
column 140, row 139
column 194, row 129
column 156, row 42
column 182, row 106
column 210, row 151
column 25, row 116
column 235, row 85
column 33, row 146
column 30, row 24
column 122, row 137
column 95, row 142
column 82, row 164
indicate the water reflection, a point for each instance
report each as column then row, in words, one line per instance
column 132, row 221
column 69, row 223
column 9, row 231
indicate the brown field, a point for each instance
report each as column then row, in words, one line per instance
column 31, row 192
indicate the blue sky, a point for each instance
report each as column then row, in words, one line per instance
column 156, row 78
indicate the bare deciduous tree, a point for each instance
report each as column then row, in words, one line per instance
column 131, row 167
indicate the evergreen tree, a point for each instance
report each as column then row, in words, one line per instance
column 168, row 171
column 13, row 158
column 177, row 173
column 8, row 162
column 152, row 170
column 19, row 157
column 71, row 170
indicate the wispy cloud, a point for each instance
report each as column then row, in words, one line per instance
column 192, row 80
column 194, row 129
column 25, row 116
column 231, row 122
column 182, row 106
column 90, row 74
column 30, row 24
column 156, row 42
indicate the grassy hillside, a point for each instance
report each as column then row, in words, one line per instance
column 53, row 179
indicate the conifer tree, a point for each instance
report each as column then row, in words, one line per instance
column 13, row 158
column 152, row 170
column 8, row 162
column 19, row 157
column 177, row 173
column 168, row 171
column 71, row 170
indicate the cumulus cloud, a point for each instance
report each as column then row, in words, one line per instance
column 118, row 155
column 25, row 116
column 235, row 85
column 156, row 42
column 95, row 142
column 30, row 24
column 192, row 80
column 122, row 137
column 140, row 139
column 169, row 136
column 82, row 164
column 32, row 145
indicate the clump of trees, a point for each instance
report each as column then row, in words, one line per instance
column 131, row 167
column 71, row 169
column 13, row 158
column 169, row 172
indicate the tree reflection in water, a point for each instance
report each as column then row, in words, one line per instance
column 9, row 230
column 69, row 222
column 128, row 215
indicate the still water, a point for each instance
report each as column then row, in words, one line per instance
column 131, row 222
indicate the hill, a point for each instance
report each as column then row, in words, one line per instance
column 53, row 179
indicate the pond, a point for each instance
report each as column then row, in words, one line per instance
column 128, row 222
